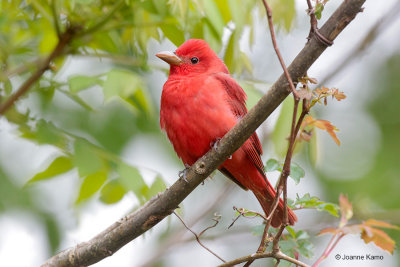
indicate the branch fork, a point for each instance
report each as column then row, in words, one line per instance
column 314, row 27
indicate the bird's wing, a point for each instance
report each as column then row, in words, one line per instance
column 237, row 102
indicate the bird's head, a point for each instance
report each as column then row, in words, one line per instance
column 193, row 57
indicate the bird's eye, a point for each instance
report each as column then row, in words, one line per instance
column 194, row 60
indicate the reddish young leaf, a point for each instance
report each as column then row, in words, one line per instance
column 306, row 79
column 323, row 125
column 322, row 90
column 338, row 95
column 346, row 210
column 379, row 237
column 329, row 230
column 352, row 229
column 377, row 223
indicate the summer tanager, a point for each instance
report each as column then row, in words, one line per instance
column 200, row 103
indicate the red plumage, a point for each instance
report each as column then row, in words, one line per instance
column 200, row 103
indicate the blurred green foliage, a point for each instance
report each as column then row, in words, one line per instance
column 90, row 137
column 377, row 190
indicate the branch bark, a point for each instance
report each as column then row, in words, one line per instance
column 135, row 224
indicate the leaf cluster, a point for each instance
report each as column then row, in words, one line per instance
column 368, row 230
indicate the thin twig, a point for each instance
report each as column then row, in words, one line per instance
column 272, row 31
column 264, row 238
column 23, row 68
column 282, row 183
column 276, row 255
column 286, row 166
column 177, row 237
column 243, row 213
column 197, row 236
column 331, row 245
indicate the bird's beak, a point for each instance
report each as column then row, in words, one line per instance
column 170, row 58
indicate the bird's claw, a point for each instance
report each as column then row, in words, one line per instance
column 183, row 173
column 215, row 144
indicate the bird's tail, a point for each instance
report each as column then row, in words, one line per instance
column 266, row 197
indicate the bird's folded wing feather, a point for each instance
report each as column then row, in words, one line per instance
column 237, row 102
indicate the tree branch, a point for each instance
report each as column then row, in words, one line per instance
column 63, row 40
column 135, row 224
column 331, row 245
column 276, row 255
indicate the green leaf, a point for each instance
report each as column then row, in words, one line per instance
column 140, row 101
column 224, row 10
column 329, row 207
column 50, row 39
column 131, row 179
column 306, row 248
column 53, row 232
column 244, row 59
column 112, row 192
column 253, row 94
column 318, row 10
column 198, row 30
column 296, row 172
column 283, row 13
column 258, row 230
column 80, row 82
column 230, row 52
column 7, row 86
column 211, row 35
column 291, row 231
column 287, row 245
column 113, row 126
column 174, row 34
column 58, row 166
column 178, row 7
column 272, row 165
column 302, row 235
column 214, row 16
column 307, row 201
column 91, row 184
column 290, row 202
column 86, row 158
column 121, row 83
column 47, row 133
column 303, row 199
column 282, row 127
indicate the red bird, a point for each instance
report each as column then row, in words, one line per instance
column 200, row 103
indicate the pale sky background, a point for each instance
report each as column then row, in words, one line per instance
column 22, row 241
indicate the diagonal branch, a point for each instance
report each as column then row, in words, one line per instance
column 135, row 224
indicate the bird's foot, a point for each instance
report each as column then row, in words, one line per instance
column 214, row 144
column 183, row 173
